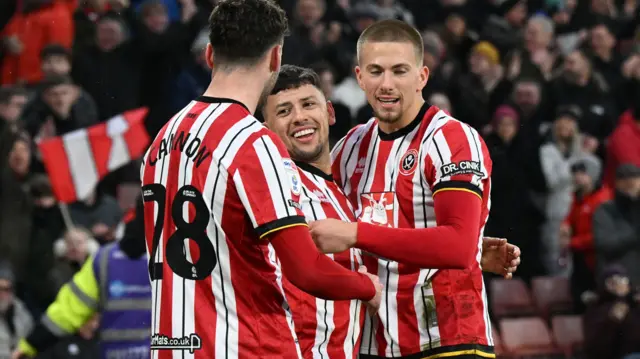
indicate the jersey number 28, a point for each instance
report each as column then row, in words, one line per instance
column 175, row 251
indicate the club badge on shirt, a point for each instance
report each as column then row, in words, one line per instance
column 408, row 162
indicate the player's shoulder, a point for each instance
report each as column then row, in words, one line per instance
column 455, row 130
column 356, row 134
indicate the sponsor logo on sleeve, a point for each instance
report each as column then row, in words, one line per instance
column 294, row 177
column 462, row 168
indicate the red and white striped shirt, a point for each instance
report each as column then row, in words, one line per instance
column 391, row 179
column 215, row 175
column 325, row 328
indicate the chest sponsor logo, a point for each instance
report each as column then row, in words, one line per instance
column 461, row 168
column 377, row 208
column 408, row 162
column 321, row 197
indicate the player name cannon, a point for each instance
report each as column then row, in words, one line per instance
column 186, row 143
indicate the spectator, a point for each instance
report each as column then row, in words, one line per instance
column 60, row 107
column 99, row 213
column 16, row 207
column 576, row 233
column 193, row 80
column 441, row 68
column 441, row 100
column 562, row 149
column 12, row 102
column 36, row 24
column 606, row 60
column 15, row 320
column 616, row 224
column 536, row 59
column 624, row 144
column 504, row 28
column 472, row 99
column 109, row 67
column 581, row 86
column 46, row 213
column 612, row 320
column 513, row 214
column 70, row 254
column 55, row 61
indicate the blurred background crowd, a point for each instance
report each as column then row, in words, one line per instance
column 553, row 86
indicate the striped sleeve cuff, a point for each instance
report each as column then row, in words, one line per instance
column 457, row 186
column 279, row 224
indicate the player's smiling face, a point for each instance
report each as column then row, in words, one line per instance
column 389, row 74
column 301, row 118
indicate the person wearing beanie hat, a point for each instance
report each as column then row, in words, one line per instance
column 505, row 123
column 576, row 232
column 487, row 50
column 472, row 95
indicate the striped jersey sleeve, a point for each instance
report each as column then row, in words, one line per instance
column 268, row 184
column 457, row 159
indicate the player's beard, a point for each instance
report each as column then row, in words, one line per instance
column 266, row 91
column 308, row 156
column 387, row 117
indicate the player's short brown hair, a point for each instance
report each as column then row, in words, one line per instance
column 241, row 31
column 393, row 31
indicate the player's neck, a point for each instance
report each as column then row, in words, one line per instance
column 405, row 120
column 234, row 86
column 323, row 163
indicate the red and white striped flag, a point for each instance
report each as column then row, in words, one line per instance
column 78, row 160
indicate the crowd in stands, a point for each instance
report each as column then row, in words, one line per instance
column 552, row 85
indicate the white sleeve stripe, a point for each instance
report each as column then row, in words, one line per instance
column 275, row 175
column 237, row 179
column 443, row 153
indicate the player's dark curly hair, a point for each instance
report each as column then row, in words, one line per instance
column 241, row 31
column 292, row 77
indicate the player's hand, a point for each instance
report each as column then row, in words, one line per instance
column 333, row 235
column 373, row 304
column 17, row 354
column 499, row 257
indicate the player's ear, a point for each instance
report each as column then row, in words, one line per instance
column 424, row 77
column 209, row 55
column 275, row 58
column 358, row 71
column 332, row 113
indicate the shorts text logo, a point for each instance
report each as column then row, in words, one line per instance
column 192, row 342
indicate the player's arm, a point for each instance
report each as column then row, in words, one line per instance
column 454, row 168
column 75, row 304
column 269, row 186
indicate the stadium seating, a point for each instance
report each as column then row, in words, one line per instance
column 527, row 337
column 510, row 298
column 567, row 332
column 551, row 295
